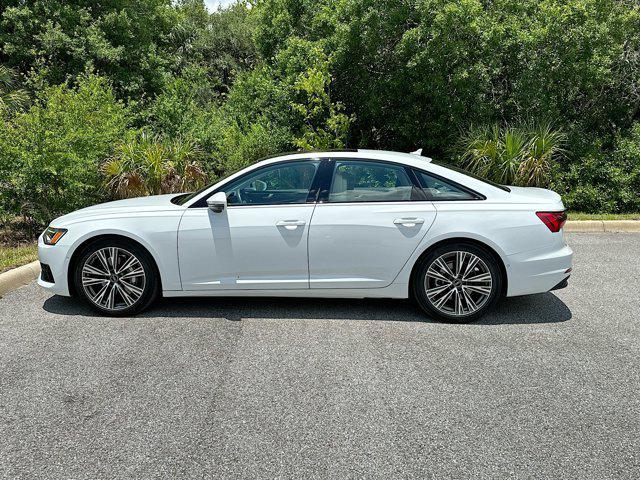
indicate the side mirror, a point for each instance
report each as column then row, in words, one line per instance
column 217, row 202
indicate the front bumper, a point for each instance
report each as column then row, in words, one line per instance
column 55, row 257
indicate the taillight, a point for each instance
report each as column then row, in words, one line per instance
column 554, row 220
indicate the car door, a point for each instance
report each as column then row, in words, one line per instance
column 260, row 240
column 369, row 220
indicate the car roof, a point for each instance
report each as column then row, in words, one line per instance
column 413, row 160
column 401, row 157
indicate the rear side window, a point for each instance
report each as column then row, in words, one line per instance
column 365, row 181
column 438, row 189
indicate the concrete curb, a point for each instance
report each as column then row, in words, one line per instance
column 18, row 277
column 602, row 226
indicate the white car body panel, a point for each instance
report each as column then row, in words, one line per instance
column 245, row 248
column 346, row 238
column 348, row 250
column 151, row 221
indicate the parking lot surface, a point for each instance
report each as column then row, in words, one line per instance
column 547, row 386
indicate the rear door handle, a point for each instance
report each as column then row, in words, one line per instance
column 290, row 224
column 409, row 222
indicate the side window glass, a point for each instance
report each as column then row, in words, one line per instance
column 365, row 181
column 279, row 184
column 437, row 189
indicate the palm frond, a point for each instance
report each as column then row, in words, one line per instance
column 152, row 165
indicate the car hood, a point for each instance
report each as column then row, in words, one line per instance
column 154, row 203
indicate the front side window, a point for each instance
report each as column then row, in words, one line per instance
column 279, row 184
column 438, row 189
column 366, row 181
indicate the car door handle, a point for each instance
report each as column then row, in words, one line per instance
column 290, row 224
column 409, row 222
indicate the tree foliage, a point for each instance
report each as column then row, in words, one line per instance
column 485, row 76
column 50, row 155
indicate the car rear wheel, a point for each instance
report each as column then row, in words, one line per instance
column 116, row 277
column 458, row 282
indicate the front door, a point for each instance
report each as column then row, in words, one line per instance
column 259, row 242
column 371, row 219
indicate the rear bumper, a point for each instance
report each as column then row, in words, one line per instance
column 563, row 284
column 538, row 271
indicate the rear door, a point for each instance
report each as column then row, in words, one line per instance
column 370, row 218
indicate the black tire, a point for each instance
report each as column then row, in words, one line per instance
column 151, row 285
column 421, row 283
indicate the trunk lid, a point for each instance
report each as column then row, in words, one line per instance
column 533, row 195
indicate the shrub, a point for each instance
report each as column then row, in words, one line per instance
column 520, row 155
column 145, row 165
column 12, row 98
column 592, row 184
column 606, row 183
column 50, row 155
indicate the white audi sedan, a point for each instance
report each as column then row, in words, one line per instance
column 347, row 224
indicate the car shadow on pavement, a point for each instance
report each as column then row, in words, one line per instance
column 533, row 309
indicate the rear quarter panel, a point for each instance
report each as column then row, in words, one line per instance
column 508, row 229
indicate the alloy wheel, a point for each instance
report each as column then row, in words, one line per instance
column 458, row 283
column 113, row 278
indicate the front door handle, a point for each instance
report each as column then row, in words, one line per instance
column 290, row 224
column 409, row 222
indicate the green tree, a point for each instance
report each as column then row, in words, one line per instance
column 139, row 45
column 50, row 155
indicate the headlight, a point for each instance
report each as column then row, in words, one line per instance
column 52, row 235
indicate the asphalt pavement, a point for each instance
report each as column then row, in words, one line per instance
column 547, row 386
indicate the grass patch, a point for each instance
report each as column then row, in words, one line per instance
column 603, row 216
column 11, row 257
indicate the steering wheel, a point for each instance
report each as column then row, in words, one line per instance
column 238, row 195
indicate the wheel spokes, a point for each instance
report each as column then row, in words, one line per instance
column 130, row 288
column 470, row 266
column 113, row 278
column 444, row 298
column 127, row 264
column 434, row 292
column 442, row 265
column 479, row 289
column 103, row 260
column 484, row 277
column 460, row 257
column 135, row 273
column 94, row 271
column 128, row 299
column 87, row 281
column 458, row 283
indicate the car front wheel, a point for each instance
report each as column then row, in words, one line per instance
column 116, row 277
column 458, row 282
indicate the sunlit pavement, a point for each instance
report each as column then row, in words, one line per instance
column 545, row 387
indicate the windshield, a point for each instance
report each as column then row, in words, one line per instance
column 472, row 175
column 185, row 197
